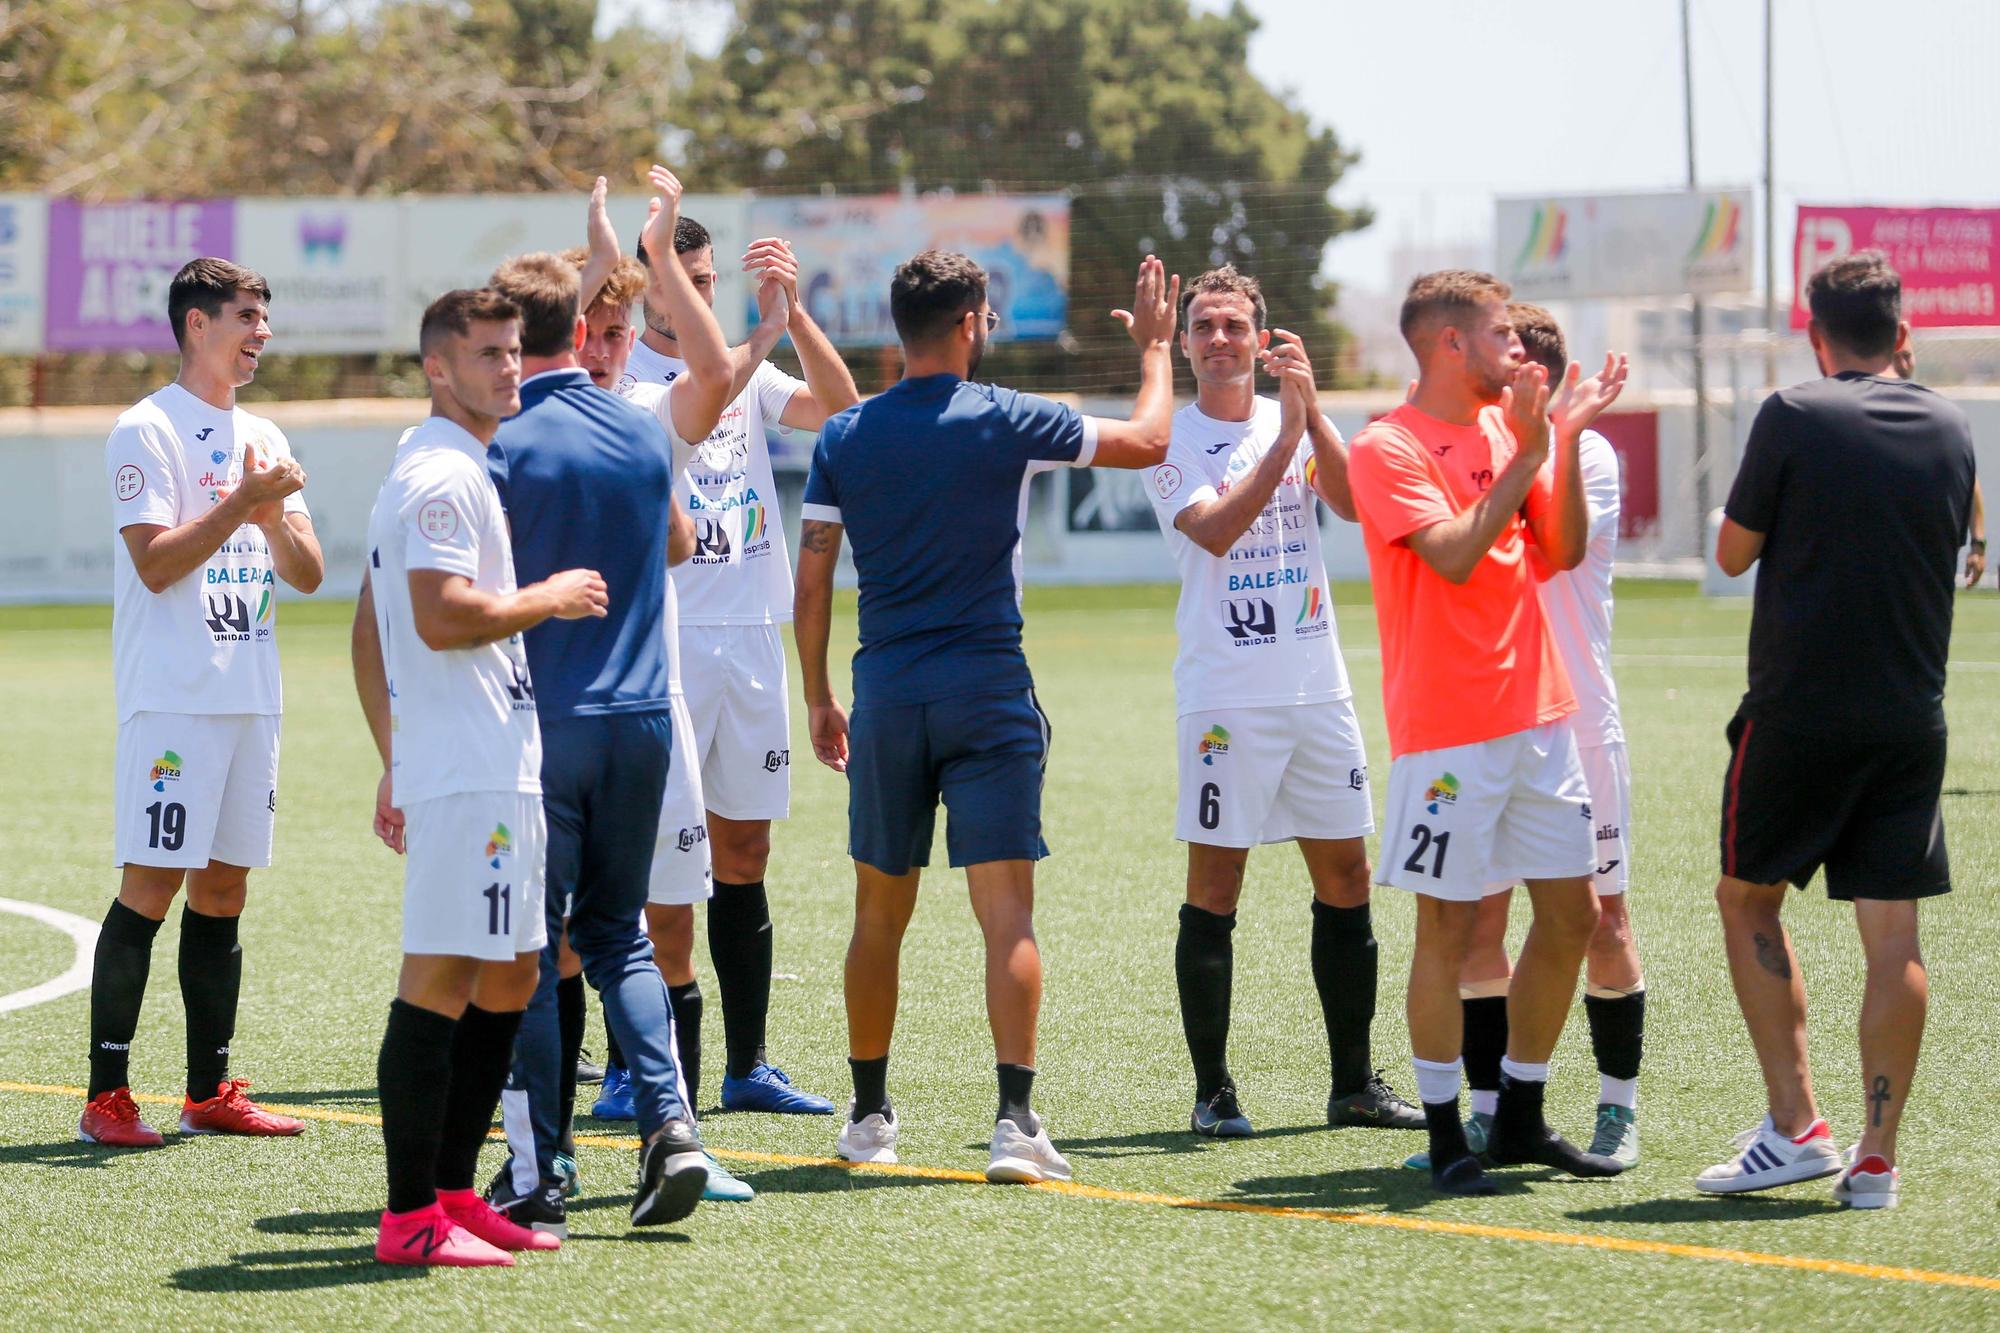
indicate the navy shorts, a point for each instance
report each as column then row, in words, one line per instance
column 985, row 754
column 604, row 777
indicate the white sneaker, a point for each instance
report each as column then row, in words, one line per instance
column 1770, row 1158
column 869, row 1139
column 1868, row 1183
column 1023, row 1159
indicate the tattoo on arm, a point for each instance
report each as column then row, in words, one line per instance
column 818, row 536
column 1772, row 955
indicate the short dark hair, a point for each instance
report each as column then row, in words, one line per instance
column 689, row 236
column 1857, row 301
column 1226, row 281
column 1447, row 295
column 932, row 291
column 207, row 285
column 457, row 311
column 1542, row 337
column 547, row 291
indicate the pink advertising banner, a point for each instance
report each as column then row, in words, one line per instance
column 1949, row 258
column 109, row 266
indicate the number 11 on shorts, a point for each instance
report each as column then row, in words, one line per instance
column 499, row 909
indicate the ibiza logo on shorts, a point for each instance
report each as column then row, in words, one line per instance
column 129, row 482
column 165, row 769
column 1166, row 480
column 776, row 759
column 499, row 845
column 1311, row 622
column 1442, row 792
column 1250, row 621
column 438, row 521
column 692, row 837
column 1213, row 742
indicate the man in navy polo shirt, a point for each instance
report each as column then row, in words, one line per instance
column 929, row 480
column 587, row 477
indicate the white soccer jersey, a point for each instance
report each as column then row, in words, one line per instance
column 207, row 644
column 1577, row 603
column 740, row 573
column 1256, row 627
column 655, row 398
column 463, row 719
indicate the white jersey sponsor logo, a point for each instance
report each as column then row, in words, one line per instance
column 208, row 643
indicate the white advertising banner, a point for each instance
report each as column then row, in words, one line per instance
column 1655, row 244
column 332, row 268
column 24, row 226
column 458, row 240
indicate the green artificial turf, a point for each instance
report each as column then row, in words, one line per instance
column 277, row 1234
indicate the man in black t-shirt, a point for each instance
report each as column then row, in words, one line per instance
column 1853, row 496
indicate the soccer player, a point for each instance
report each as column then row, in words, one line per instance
column 1269, row 747
column 449, row 700
column 1485, row 787
column 587, row 481
column 1577, row 606
column 735, row 594
column 930, row 479
column 1837, row 752
column 208, row 506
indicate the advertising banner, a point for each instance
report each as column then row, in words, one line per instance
column 1947, row 257
column 331, row 264
column 23, row 255
column 849, row 248
column 109, row 266
column 1614, row 245
column 1635, row 436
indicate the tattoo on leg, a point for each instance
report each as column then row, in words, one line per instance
column 1772, row 955
column 1878, row 1099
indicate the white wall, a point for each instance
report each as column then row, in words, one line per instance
column 55, row 525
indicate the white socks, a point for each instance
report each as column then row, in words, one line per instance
column 1437, row 1082
column 1524, row 1073
column 1618, row 1091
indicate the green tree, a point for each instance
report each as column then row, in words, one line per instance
column 1145, row 110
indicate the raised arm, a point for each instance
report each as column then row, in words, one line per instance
column 1287, row 359
column 829, row 384
column 1455, row 546
column 602, row 239
column 812, row 626
column 1562, row 531
column 1141, row 439
column 1215, row 524
column 451, row 613
column 701, row 393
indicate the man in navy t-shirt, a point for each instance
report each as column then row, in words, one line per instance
column 587, row 480
column 929, row 482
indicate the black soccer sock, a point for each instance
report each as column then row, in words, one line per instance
column 614, row 1054
column 413, row 1080
column 1017, row 1088
column 482, row 1051
column 871, row 1087
column 1485, row 1041
column 569, row 1030
column 117, row 990
column 739, row 943
column 686, row 1001
column 1344, row 966
column 211, row 979
column 1447, row 1134
column 1204, row 964
column 1617, row 1032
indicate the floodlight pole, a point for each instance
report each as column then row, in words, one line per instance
column 1700, row 368
column 1770, row 205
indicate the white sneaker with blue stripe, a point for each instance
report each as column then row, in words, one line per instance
column 1769, row 1158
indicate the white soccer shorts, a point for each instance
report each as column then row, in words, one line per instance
column 1259, row 775
column 474, row 880
column 1608, row 775
column 733, row 677
column 196, row 787
column 682, row 874
column 1471, row 820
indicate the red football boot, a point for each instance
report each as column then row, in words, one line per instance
column 230, row 1112
column 478, row 1216
column 112, row 1119
column 427, row 1237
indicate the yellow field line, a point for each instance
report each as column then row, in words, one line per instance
column 1071, row 1189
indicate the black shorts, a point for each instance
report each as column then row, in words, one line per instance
column 1866, row 810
